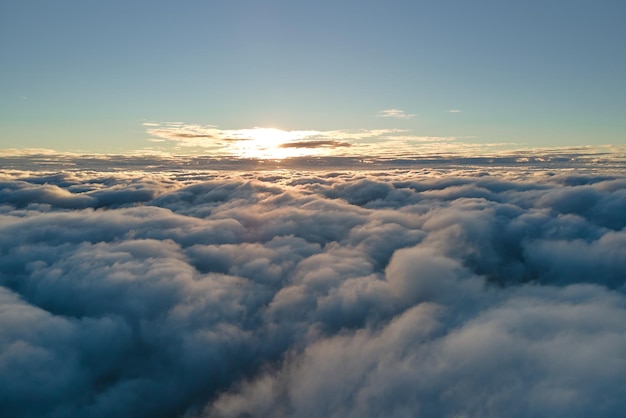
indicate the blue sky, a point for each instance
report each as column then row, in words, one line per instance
column 86, row 75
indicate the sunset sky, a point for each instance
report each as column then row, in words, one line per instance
column 345, row 76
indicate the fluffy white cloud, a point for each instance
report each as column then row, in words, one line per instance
column 330, row 293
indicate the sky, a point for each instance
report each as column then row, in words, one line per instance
column 360, row 77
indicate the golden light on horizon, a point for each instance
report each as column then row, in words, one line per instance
column 272, row 143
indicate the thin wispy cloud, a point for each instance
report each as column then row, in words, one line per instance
column 455, row 111
column 418, row 138
column 395, row 114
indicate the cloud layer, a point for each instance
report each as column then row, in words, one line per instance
column 423, row 292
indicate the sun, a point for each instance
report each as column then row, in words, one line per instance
column 269, row 137
column 271, row 143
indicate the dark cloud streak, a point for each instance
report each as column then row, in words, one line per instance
column 316, row 144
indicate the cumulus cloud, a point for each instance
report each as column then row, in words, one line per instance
column 417, row 291
column 395, row 114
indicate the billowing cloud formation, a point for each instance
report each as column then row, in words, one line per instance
column 430, row 292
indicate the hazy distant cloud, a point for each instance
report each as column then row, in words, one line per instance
column 455, row 111
column 394, row 113
column 360, row 134
column 440, row 291
column 383, row 149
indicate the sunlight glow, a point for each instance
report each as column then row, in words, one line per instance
column 267, row 143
